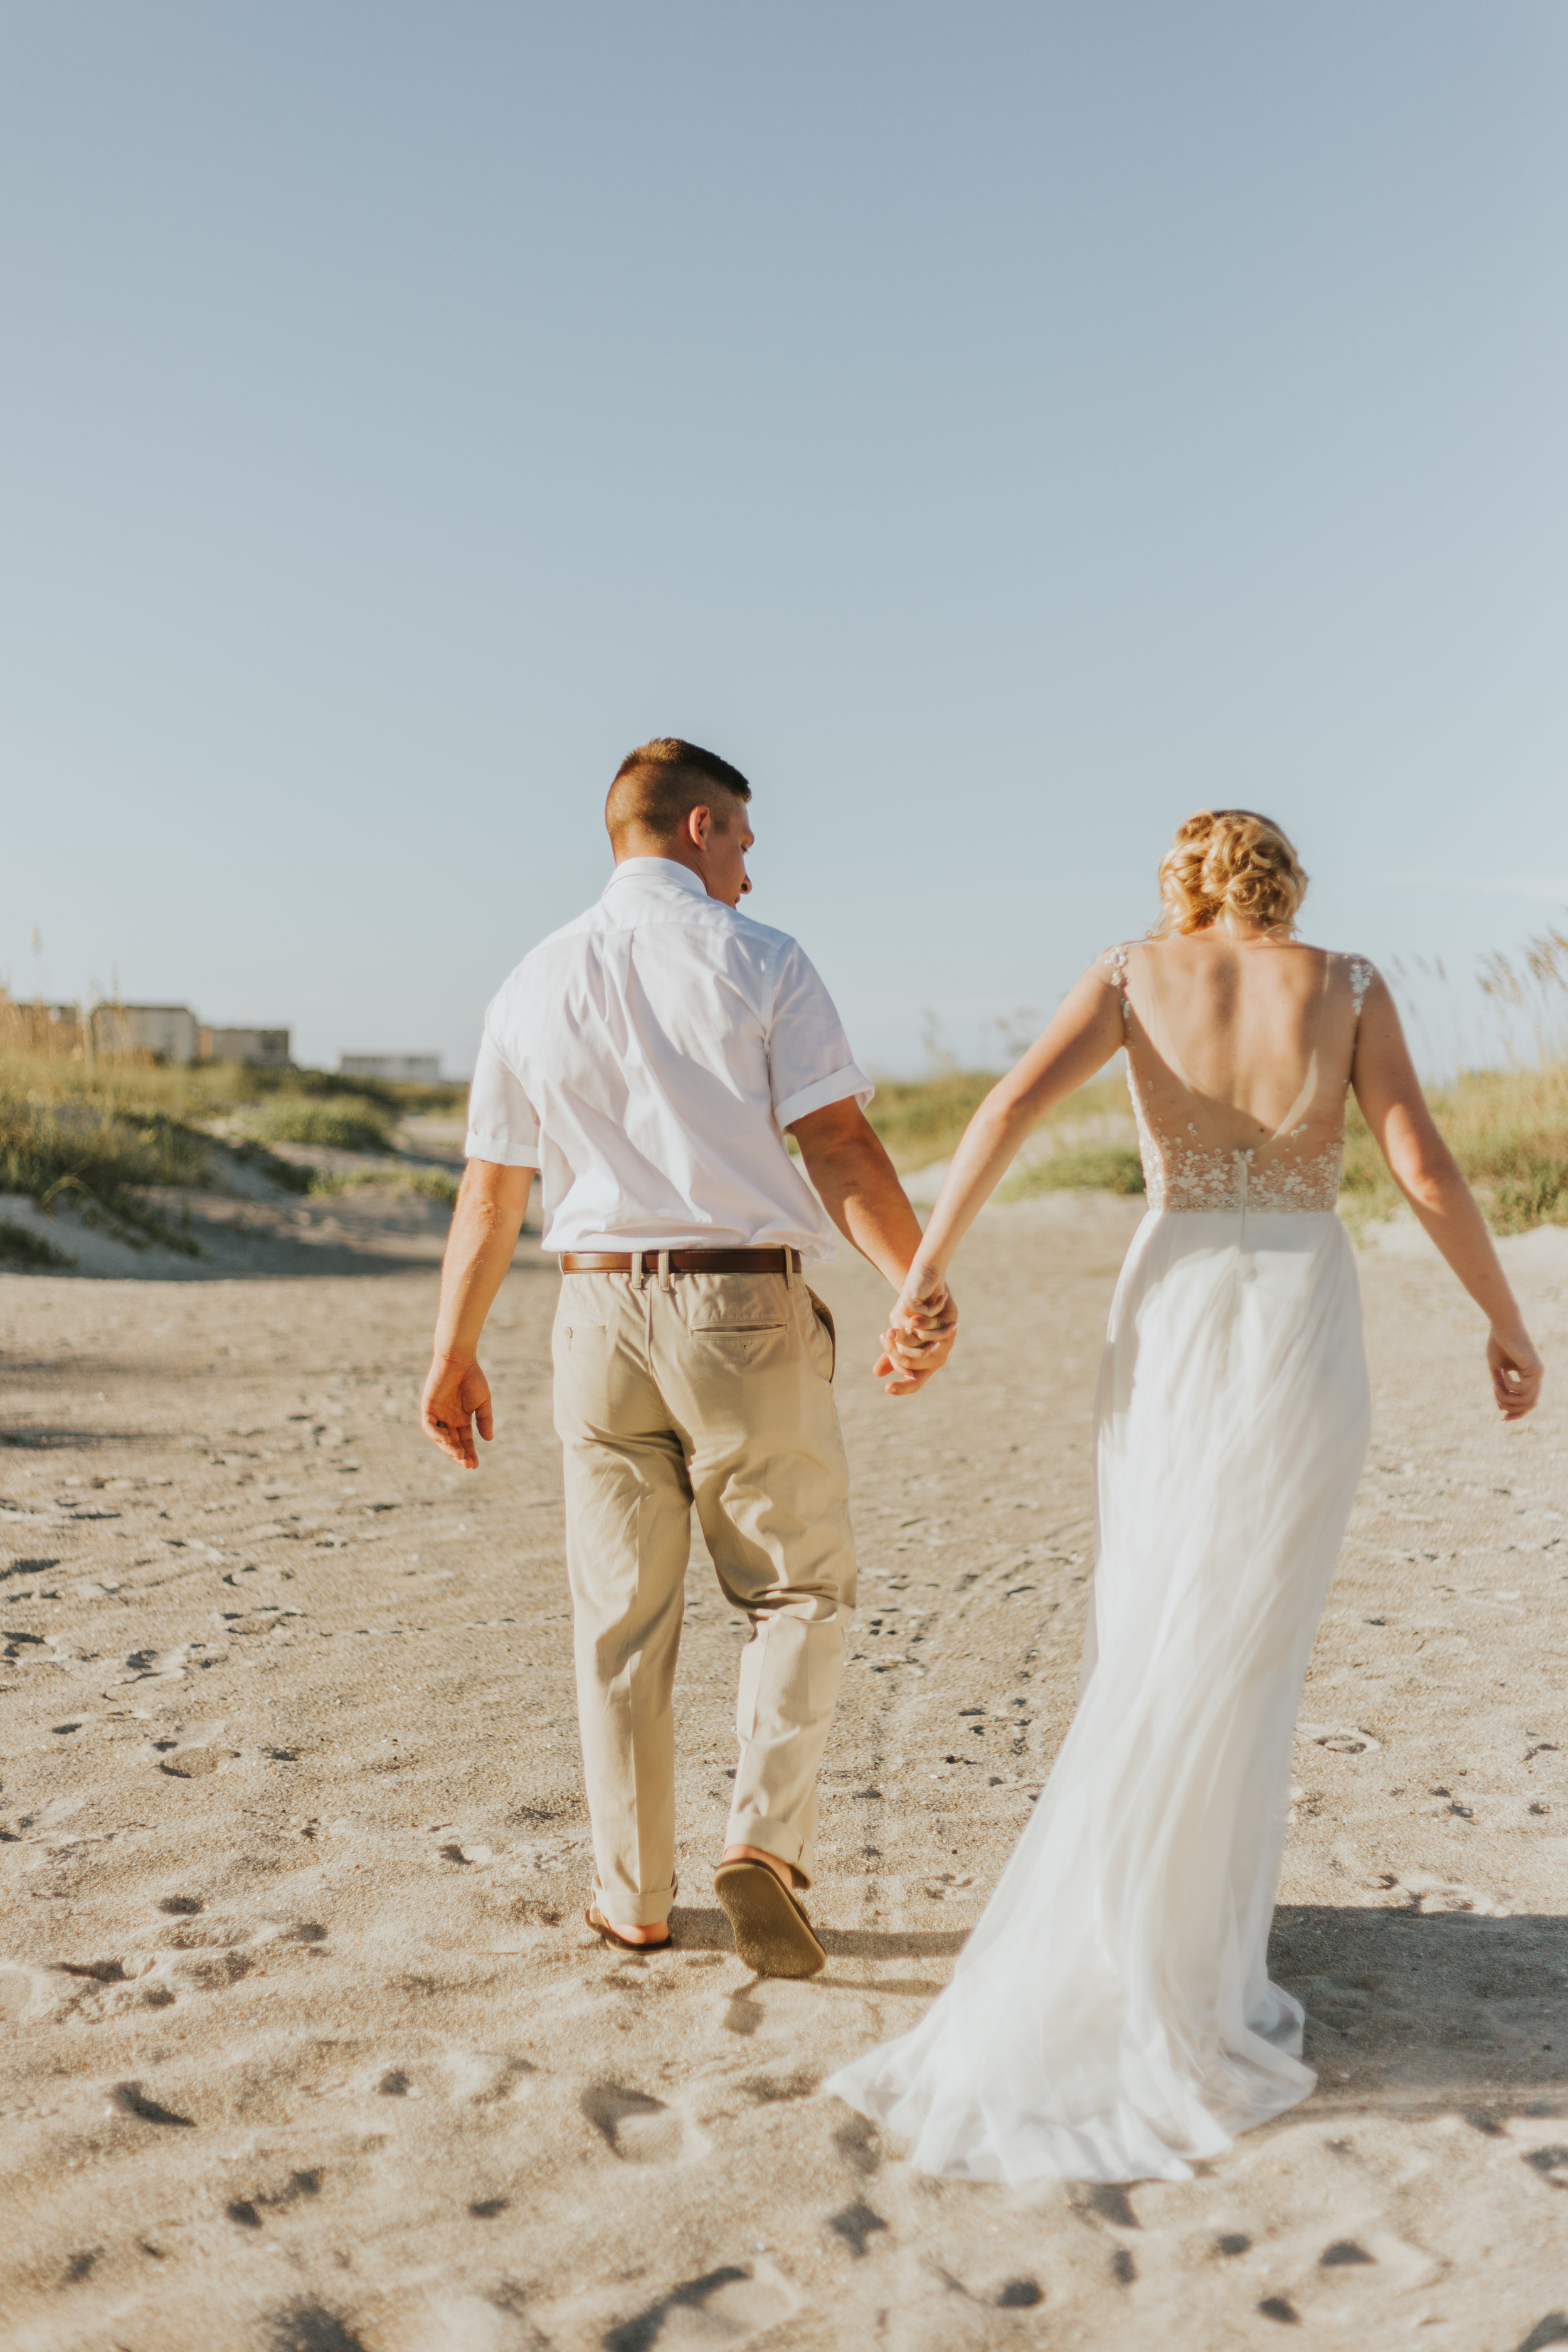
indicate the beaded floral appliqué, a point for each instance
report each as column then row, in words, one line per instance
column 1181, row 1173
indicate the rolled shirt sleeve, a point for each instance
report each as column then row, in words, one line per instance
column 502, row 1125
column 809, row 1061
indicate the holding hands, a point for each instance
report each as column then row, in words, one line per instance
column 920, row 1333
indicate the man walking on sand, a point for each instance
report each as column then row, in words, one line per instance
column 648, row 1061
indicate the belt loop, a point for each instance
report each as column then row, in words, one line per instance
column 638, row 1278
column 666, row 1279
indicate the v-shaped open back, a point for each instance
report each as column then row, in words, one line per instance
column 1238, row 1059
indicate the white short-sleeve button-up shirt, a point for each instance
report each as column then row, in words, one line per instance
column 647, row 1060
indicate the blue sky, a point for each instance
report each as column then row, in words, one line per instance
column 1000, row 429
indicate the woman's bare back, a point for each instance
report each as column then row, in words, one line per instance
column 1240, row 1054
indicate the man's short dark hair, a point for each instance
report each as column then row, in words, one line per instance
column 657, row 785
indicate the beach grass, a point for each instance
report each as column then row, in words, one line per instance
column 22, row 1252
column 1102, row 1168
column 102, row 1131
column 112, row 1135
column 1507, row 1128
column 1509, row 1131
column 56, row 1061
column 343, row 1123
column 422, row 1183
column 101, row 1162
column 921, row 1119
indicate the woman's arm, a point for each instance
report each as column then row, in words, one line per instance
column 1080, row 1040
column 1421, row 1165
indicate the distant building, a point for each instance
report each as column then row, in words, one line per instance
column 420, row 1070
column 168, row 1031
column 266, row 1049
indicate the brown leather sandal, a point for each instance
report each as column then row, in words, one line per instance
column 773, row 1934
column 607, row 1935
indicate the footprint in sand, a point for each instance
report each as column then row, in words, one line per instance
column 453, row 2321
column 858, row 2143
column 856, row 2225
column 640, row 2129
column 203, row 1954
column 247, row 2211
column 190, row 1763
column 195, row 1930
column 742, row 2015
column 310, row 2326
column 301, row 1931
column 484, row 2077
column 157, row 1666
column 130, row 2099
column 1425, row 1892
column 85, row 1990
column 730, row 2306
column 211, row 1971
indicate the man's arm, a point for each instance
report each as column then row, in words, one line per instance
column 485, row 1223
column 855, row 1180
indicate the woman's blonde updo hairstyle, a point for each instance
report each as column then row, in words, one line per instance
column 1230, row 861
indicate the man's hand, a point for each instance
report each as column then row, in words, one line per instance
column 920, row 1337
column 1517, row 1371
column 485, row 1227
column 457, row 1397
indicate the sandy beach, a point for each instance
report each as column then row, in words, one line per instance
column 307, row 2048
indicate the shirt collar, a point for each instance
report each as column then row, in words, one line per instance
column 657, row 870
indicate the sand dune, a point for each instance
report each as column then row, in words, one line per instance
column 307, row 2048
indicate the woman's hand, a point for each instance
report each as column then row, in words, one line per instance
column 920, row 1333
column 1517, row 1370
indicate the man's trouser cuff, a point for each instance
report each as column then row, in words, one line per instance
column 624, row 1907
column 768, row 1837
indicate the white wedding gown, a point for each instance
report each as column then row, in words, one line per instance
column 1112, row 2017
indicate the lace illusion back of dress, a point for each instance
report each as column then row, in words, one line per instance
column 1238, row 1059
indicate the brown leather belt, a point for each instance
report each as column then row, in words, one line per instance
column 683, row 1261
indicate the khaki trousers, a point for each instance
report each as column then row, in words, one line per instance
column 713, row 1389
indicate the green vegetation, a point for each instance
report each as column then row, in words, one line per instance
column 105, row 1132
column 425, row 1183
column 109, row 1133
column 1107, row 1168
column 921, row 1119
column 1506, row 1129
column 27, row 1253
column 50, row 1059
column 345, row 1123
column 1509, row 1131
column 102, row 1160
column 287, row 1175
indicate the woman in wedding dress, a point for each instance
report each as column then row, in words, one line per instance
column 1112, row 2017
